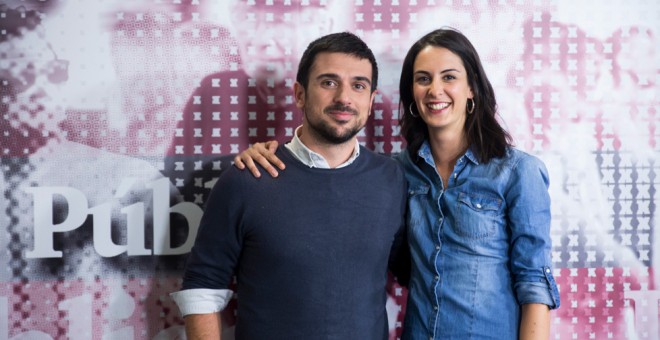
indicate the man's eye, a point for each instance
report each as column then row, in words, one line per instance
column 360, row 86
column 328, row 83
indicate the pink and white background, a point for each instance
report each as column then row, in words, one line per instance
column 117, row 116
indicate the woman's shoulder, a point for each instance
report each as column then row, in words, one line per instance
column 525, row 163
column 517, row 157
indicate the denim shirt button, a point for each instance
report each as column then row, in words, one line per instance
column 435, row 307
column 436, row 278
column 437, row 247
column 478, row 206
column 547, row 270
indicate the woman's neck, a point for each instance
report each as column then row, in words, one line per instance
column 446, row 149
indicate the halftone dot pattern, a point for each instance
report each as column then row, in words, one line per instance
column 15, row 170
column 95, row 94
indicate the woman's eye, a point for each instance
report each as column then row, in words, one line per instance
column 422, row 80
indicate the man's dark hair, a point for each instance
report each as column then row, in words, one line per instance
column 344, row 42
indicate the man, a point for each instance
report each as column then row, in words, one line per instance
column 310, row 249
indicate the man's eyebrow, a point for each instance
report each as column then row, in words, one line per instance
column 365, row 79
column 336, row 76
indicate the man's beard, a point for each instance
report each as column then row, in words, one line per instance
column 330, row 135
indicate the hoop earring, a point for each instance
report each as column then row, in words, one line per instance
column 470, row 108
column 411, row 111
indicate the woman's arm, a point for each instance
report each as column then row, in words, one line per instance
column 203, row 326
column 535, row 322
column 529, row 218
column 262, row 153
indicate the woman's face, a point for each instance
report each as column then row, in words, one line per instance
column 440, row 89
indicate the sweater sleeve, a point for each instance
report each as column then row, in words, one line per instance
column 215, row 254
column 399, row 262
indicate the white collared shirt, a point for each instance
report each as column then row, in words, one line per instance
column 313, row 159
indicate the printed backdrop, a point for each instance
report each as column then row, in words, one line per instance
column 117, row 117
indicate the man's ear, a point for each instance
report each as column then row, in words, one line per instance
column 371, row 105
column 299, row 92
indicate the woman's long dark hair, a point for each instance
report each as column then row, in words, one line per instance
column 484, row 133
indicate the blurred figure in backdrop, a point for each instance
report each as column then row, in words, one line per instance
column 64, row 201
column 252, row 100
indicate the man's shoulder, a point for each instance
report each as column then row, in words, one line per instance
column 234, row 179
column 385, row 162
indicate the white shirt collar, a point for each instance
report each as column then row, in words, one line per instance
column 313, row 159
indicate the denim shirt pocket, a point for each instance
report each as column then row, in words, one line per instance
column 418, row 204
column 478, row 215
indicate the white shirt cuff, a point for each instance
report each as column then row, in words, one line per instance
column 201, row 300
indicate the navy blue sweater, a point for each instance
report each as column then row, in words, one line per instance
column 310, row 248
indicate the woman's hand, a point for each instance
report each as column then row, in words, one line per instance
column 262, row 153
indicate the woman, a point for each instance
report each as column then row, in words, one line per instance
column 478, row 209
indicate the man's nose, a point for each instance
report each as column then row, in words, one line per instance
column 343, row 95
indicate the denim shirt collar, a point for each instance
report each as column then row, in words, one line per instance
column 424, row 152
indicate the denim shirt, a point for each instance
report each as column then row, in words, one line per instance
column 480, row 245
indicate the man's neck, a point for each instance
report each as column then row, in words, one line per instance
column 334, row 154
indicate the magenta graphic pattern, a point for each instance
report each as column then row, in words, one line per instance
column 117, row 116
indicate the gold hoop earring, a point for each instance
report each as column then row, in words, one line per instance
column 411, row 111
column 470, row 108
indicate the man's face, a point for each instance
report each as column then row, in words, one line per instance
column 34, row 77
column 271, row 38
column 338, row 98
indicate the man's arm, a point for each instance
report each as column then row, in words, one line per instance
column 535, row 322
column 210, row 267
column 203, row 326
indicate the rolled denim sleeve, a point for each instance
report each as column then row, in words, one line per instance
column 542, row 292
column 201, row 301
column 528, row 204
